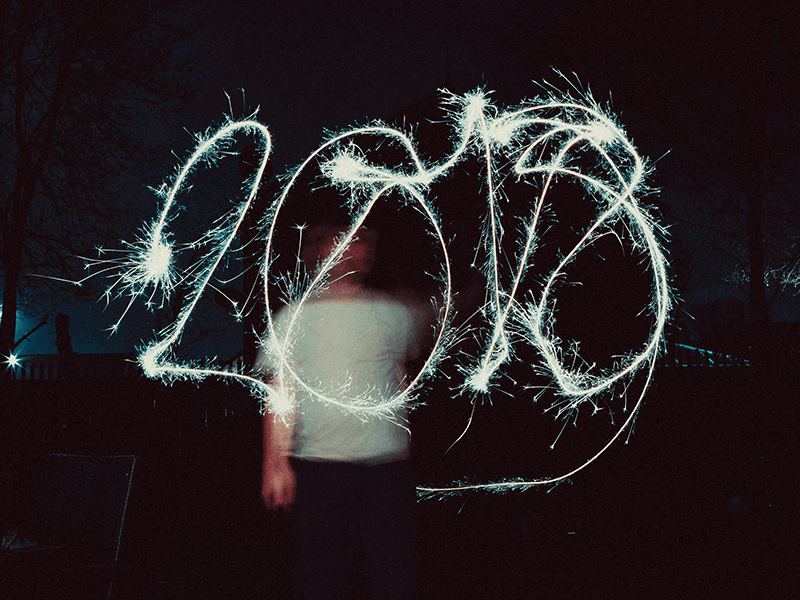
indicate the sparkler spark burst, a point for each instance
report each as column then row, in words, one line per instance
column 545, row 139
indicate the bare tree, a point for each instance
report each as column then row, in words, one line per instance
column 79, row 82
column 744, row 144
column 719, row 88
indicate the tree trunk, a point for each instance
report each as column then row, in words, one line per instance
column 250, row 237
column 755, row 253
column 8, row 321
column 757, row 293
column 755, row 228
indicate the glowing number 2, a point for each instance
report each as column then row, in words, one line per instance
column 153, row 358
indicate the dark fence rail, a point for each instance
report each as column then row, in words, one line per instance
column 38, row 367
column 682, row 355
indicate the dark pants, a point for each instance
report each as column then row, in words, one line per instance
column 354, row 528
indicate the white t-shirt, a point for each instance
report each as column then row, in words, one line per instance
column 350, row 351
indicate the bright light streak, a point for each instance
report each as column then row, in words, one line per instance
column 13, row 361
column 567, row 126
column 146, row 268
column 543, row 139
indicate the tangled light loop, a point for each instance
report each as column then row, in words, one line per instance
column 543, row 139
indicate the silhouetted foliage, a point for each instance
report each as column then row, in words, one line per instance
column 79, row 82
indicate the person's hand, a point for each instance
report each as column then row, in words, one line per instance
column 278, row 484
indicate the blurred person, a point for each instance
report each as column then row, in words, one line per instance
column 345, row 477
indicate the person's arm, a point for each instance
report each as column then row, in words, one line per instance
column 277, row 476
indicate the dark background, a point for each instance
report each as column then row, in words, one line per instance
column 701, row 500
column 697, row 504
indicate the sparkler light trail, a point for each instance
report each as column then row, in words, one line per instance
column 546, row 139
column 147, row 269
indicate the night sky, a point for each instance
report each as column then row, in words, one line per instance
column 692, row 85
